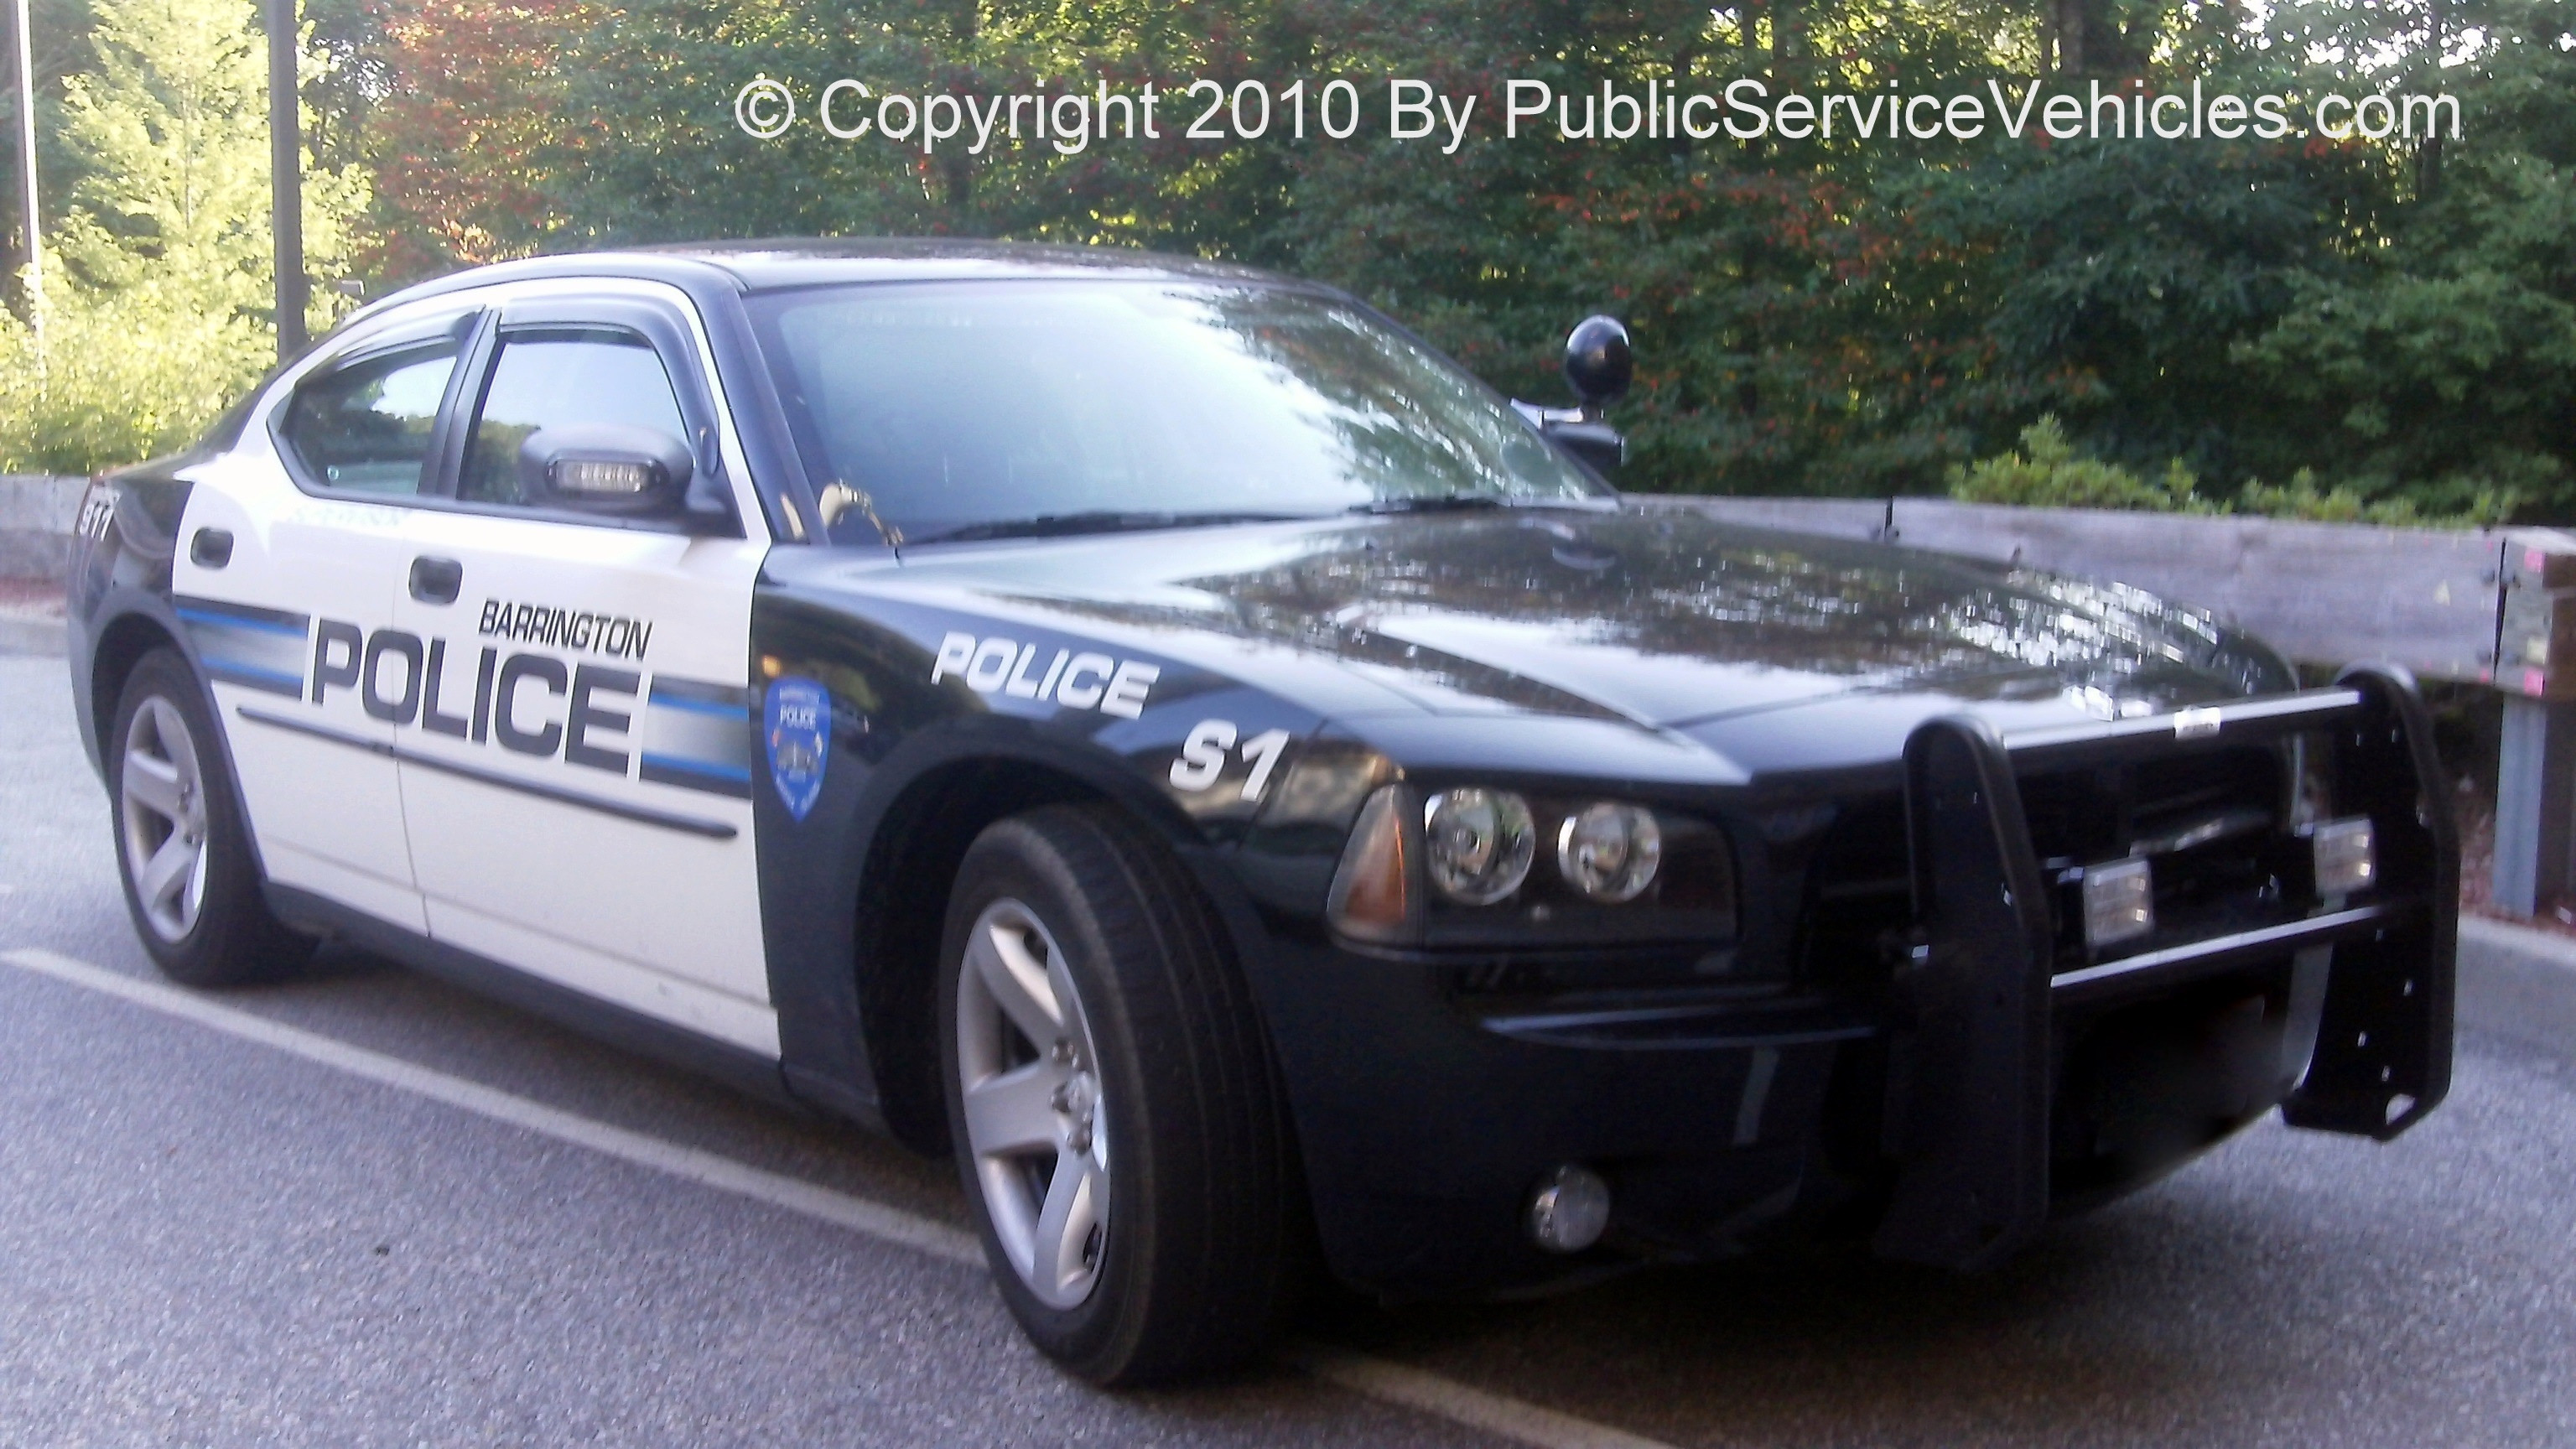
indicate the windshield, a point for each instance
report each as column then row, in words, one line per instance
column 987, row 409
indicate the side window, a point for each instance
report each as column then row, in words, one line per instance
column 549, row 377
column 365, row 427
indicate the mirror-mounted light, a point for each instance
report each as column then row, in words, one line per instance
column 605, row 468
column 600, row 477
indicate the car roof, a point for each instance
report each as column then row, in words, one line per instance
column 800, row 262
column 791, row 262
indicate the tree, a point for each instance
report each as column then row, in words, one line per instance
column 59, row 48
column 2442, row 361
column 167, row 310
column 463, row 141
column 2389, row 319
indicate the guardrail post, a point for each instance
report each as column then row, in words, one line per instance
column 2535, row 845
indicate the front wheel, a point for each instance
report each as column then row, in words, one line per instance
column 181, row 846
column 1116, row 1120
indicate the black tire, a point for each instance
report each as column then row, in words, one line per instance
column 215, row 929
column 1199, row 1261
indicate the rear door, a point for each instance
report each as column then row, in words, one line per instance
column 293, row 616
column 577, row 788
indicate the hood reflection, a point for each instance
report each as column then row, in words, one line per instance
column 1659, row 619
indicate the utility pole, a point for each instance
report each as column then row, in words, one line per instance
column 285, row 174
column 27, row 185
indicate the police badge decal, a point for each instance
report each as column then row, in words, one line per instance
column 796, row 724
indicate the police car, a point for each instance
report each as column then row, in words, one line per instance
column 1162, row 734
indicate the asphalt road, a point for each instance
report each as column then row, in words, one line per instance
column 211, row 1238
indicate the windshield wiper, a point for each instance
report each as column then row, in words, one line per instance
column 1432, row 503
column 1099, row 520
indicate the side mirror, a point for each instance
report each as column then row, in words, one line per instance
column 1597, row 361
column 606, row 468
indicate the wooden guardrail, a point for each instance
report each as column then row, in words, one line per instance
column 2492, row 607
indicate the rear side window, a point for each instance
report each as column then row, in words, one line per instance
column 553, row 376
column 365, row 427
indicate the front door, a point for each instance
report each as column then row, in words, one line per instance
column 577, row 785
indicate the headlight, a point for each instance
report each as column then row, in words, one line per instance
column 1454, row 867
column 1478, row 844
column 1609, row 852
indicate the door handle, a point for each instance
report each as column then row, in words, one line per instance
column 436, row 580
column 211, row 548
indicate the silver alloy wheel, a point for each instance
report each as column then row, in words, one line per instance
column 162, row 809
column 1035, row 1121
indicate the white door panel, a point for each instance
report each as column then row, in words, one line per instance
column 576, row 779
column 604, row 797
column 282, row 630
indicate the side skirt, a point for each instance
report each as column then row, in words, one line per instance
column 746, row 1072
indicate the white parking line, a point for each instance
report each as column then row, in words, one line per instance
column 723, row 1173
column 1449, row 1399
column 1379, row 1379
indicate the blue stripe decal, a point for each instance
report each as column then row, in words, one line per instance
column 235, row 621
column 253, row 674
column 659, row 700
column 734, row 773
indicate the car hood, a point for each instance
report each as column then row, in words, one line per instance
column 1661, row 618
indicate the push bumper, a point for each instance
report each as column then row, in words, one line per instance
column 1972, row 1062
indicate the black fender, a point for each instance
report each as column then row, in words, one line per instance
column 841, row 955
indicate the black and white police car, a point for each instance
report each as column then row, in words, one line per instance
column 1161, row 733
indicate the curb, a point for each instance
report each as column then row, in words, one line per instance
column 2519, row 984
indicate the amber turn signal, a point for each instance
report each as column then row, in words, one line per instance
column 1372, row 894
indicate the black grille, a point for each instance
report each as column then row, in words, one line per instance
column 2102, row 812
column 2211, row 819
column 1859, row 894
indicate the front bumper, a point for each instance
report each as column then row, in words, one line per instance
column 1428, row 1115
column 1428, row 1123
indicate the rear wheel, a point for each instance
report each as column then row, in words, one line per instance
column 181, row 848
column 1111, row 1100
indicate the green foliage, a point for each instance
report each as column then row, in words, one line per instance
column 172, row 128
column 2391, row 325
column 1811, row 316
column 59, row 34
column 2049, row 473
column 161, row 308
column 122, row 378
column 2439, row 359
